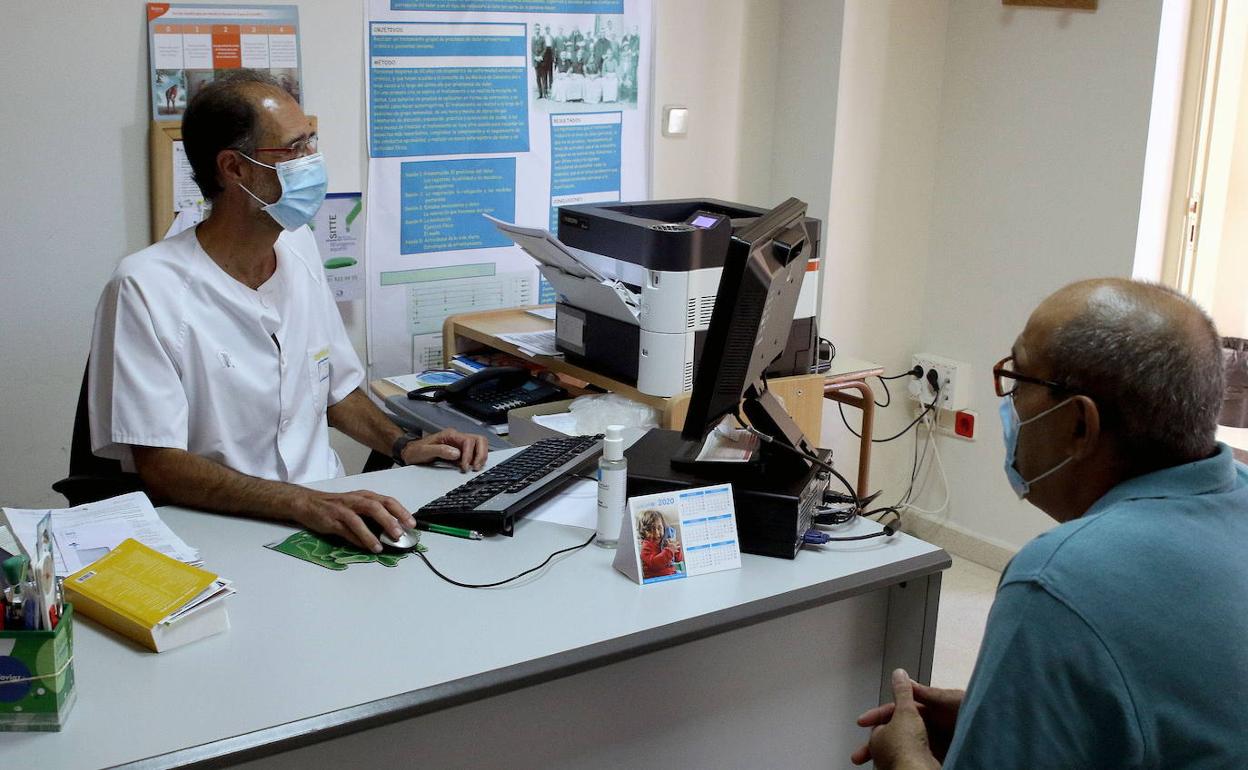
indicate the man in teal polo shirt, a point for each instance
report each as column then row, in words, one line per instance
column 1118, row 639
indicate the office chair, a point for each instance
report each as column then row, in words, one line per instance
column 91, row 478
column 377, row 462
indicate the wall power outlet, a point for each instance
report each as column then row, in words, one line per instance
column 953, row 377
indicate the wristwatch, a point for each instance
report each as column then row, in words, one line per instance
column 400, row 443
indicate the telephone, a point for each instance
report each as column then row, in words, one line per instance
column 489, row 393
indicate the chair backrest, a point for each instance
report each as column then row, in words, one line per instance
column 91, row 477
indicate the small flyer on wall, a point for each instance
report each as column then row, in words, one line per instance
column 339, row 231
column 190, row 44
column 674, row 535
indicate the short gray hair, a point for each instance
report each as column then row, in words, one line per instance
column 222, row 116
column 1151, row 359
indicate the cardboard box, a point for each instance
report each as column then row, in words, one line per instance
column 522, row 431
column 37, row 677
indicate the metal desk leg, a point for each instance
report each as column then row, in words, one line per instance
column 865, row 400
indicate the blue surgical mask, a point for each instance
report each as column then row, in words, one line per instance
column 304, row 183
column 1010, row 427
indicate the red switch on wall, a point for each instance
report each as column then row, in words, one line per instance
column 964, row 424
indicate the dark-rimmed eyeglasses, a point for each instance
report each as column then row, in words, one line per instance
column 298, row 148
column 1005, row 378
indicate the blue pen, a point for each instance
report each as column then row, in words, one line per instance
column 30, row 608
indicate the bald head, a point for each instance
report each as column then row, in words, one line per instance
column 1149, row 357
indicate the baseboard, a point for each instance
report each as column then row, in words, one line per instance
column 958, row 541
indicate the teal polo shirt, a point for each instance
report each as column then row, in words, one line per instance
column 1120, row 639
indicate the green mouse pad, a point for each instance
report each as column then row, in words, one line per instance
column 334, row 555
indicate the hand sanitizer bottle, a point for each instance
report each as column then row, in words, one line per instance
column 612, row 485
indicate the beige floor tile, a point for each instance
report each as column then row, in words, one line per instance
column 966, row 593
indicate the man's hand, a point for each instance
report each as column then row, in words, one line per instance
column 468, row 449
column 899, row 736
column 939, row 709
column 344, row 513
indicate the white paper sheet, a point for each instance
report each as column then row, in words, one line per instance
column 545, row 248
column 543, row 312
column 534, row 343
column 89, row 531
column 564, row 422
column 728, row 444
column 575, row 506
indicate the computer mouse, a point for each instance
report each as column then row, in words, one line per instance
column 405, row 542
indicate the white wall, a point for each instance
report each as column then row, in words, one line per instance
column 75, row 193
column 716, row 57
column 879, row 219
column 1044, row 122
column 805, row 91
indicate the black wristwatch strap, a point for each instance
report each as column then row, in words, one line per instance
column 400, row 443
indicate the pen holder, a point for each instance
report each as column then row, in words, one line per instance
column 37, row 677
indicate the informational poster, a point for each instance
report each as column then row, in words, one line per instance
column 509, row 108
column 339, row 231
column 190, row 44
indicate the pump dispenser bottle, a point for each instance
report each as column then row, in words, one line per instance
column 612, row 486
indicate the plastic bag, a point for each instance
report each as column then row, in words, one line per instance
column 595, row 413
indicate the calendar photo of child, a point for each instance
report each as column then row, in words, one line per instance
column 678, row 534
column 662, row 555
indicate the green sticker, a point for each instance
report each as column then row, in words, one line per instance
column 333, row 555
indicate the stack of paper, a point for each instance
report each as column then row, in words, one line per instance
column 90, row 531
column 534, row 343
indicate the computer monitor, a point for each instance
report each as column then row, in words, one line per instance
column 749, row 326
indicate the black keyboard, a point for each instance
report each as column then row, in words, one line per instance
column 490, row 502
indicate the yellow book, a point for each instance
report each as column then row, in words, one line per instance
column 135, row 590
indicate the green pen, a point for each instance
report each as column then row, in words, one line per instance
column 442, row 529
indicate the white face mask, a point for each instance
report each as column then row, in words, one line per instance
column 1010, row 427
column 304, row 183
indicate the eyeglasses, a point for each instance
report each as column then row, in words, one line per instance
column 299, row 148
column 1005, row 378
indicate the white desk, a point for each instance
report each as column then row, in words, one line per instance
column 574, row 667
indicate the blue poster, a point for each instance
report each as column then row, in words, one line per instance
column 443, row 200
column 505, row 108
column 447, row 89
column 585, row 151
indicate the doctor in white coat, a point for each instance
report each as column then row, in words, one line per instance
column 219, row 360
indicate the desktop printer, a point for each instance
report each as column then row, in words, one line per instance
column 636, row 285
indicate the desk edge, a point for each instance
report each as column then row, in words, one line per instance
column 311, row 730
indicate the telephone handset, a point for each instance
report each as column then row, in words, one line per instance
column 489, row 393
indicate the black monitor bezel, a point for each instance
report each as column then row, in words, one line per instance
column 782, row 234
